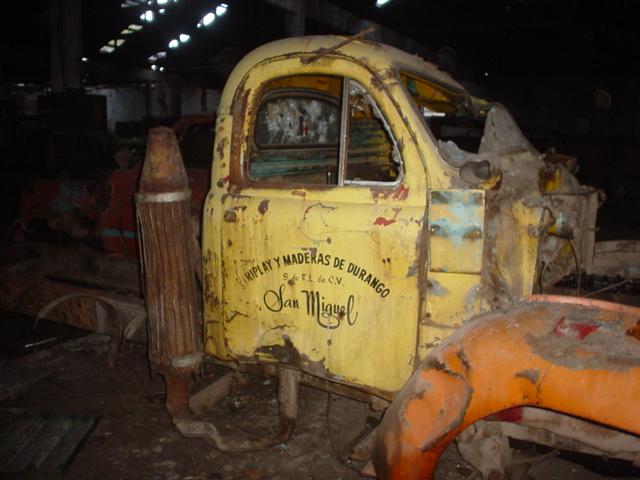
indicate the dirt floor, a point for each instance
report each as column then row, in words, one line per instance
column 135, row 439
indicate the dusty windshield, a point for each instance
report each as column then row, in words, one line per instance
column 470, row 133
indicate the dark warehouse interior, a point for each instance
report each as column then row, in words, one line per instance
column 320, row 239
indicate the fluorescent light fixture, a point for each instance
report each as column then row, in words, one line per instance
column 131, row 3
column 154, row 67
column 208, row 19
column 221, row 9
column 106, row 49
column 85, row 59
column 135, row 27
column 126, row 31
column 161, row 54
column 381, row 3
column 174, row 43
column 162, row 2
column 116, row 42
column 162, row 10
column 148, row 16
column 153, row 58
column 184, row 38
column 161, row 69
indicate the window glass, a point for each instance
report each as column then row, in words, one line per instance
column 298, row 130
column 295, row 119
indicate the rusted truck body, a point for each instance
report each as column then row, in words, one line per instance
column 374, row 230
column 364, row 211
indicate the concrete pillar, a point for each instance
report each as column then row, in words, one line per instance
column 65, row 40
column 55, row 46
column 71, row 22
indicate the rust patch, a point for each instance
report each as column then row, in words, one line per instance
column 289, row 354
column 399, row 193
column 222, row 144
column 263, row 207
column 240, row 102
column 635, row 331
column 230, row 216
column 299, row 193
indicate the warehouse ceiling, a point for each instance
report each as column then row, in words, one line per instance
column 474, row 39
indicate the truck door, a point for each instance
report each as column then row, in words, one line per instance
column 321, row 232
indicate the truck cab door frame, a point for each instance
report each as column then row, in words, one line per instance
column 381, row 227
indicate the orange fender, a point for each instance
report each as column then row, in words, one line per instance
column 572, row 355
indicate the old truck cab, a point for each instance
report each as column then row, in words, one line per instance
column 363, row 206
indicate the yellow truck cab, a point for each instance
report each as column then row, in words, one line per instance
column 374, row 230
column 363, row 206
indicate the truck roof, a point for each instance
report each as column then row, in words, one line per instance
column 376, row 56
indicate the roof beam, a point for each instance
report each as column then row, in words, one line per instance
column 343, row 20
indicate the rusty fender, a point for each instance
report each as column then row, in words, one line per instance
column 575, row 356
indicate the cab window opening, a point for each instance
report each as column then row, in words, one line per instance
column 306, row 131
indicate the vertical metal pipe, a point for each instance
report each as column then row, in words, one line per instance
column 164, row 226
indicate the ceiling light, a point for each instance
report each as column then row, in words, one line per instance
column 174, row 43
column 154, row 67
column 106, row 49
column 135, row 27
column 184, row 38
column 161, row 54
column 148, row 16
column 131, row 3
column 381, row 3
column 161, row 69
column 162, row 10
column 163, row 2
column 221, row 9
column 126, row 31
column 85, row 59
column 208, row 19
column 153, row 58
